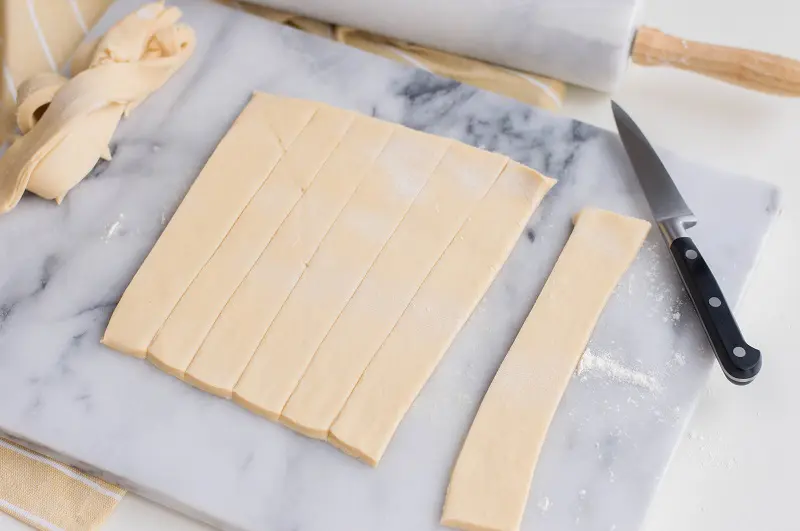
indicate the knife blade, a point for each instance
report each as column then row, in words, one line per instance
column 739, row 361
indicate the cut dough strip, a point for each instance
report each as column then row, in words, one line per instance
column 337, row 268
column 491, row 479
column 457, row 185
column 437, row 312
column 240, row 327
column 181, row 336
column 237, row 168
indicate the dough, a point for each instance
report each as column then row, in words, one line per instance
column 321, row 264
column 34, row 96
column 137, row 55
column 337, row 269
column 491, row 479
column 188, row 324
column 457, row 185
column 237, row 168
column 437, row 312
column 238, row 330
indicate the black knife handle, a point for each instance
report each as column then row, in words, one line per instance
column 739, row 361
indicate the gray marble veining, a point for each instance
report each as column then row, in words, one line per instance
column 62, row 269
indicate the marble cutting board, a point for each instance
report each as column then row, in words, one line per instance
column 62, row 269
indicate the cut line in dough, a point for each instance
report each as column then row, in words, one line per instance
column 241, row 325
column 240, row 163
column 337, row 268
column 457, row 185
column 447, row 297
column 489, row 487
column 181, row 335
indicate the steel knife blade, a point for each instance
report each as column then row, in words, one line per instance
column 739, row 361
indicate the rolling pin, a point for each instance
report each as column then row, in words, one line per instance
column 585, row 42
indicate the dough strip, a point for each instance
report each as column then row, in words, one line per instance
column 459, row 183
column 489, row 487
column 180, row 337
column 337, row 268
column 444, row 302
column 240, row 163
column 241, row 325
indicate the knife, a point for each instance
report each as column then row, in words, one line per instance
column 739, row 361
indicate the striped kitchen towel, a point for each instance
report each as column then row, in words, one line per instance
column 39, row 36
column 49, row 495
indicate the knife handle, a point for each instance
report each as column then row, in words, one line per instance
column 739, row 361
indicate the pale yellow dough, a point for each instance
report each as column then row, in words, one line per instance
column 492, row 476
column 337, row 268
column 112, row 75
column 238, row 330
column 436, row 313
column 321, row 264
column 456, row 186
column 188, row 324
column 236, row 169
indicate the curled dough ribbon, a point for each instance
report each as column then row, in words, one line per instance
column 66, row 125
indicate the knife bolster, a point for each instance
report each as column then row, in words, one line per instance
column 674, row 228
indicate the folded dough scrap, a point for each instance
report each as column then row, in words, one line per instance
column 66, row 124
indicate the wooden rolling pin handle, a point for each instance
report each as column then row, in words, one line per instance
column 768, row 73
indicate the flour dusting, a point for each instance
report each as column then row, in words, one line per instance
column 113, row 228
column 603, row 366
column 544, row 504
column 678, row 360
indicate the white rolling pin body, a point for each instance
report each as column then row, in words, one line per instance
column 585, row 42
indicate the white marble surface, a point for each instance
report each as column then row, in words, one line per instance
column 586, row 42
column 611, row 439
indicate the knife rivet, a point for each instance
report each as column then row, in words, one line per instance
column 691, row 254
column 739, row 352
column 715, row 302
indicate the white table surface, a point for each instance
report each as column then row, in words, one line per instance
column 737, row 465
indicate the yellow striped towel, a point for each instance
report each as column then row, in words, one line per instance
column 49, row 495
column 39, row 36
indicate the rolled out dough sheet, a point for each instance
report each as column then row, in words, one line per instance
column 240, row 327
column 492, row 476
column 460, row 181
column 436, row 313
column 337, row 268
column 182, row 334
column 236, row 169
column 321, row 265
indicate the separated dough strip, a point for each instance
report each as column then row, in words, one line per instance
column 458, row 184
column 491, row 479
column 190, row 321
column 239, row 165
column 245, row 318
column 337, row 268
column 402, row 365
